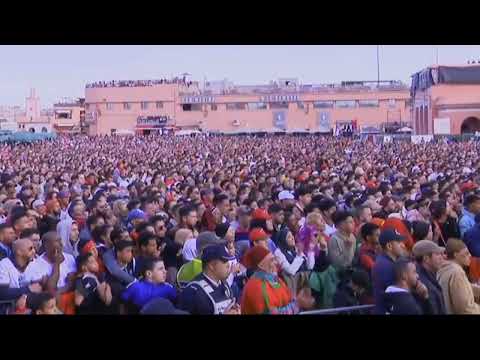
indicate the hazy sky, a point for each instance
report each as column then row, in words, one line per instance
column 62, row 71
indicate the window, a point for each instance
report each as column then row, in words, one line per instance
column 279, row 105
column 109, row 106
column 213, row 107
column 368, row 103
column 127, row 106
column 63, row 114
column 345, row 103
column 236, row 106
column 256, row 106
column 323, row 104
column 144, row 105
column 300, row 105
column 391, row 103
column 159, row 105
column 192, row 107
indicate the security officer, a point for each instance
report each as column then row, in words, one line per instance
column 209, row 293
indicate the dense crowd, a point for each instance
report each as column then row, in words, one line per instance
column 238, row 225
column 139, row 83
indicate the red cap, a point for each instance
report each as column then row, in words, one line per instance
column 261, row 214
column 468, row 186
column 254, row 256
column 257, row 234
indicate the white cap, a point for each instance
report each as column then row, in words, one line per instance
column 285, row 195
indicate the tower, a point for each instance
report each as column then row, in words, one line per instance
column 32, row 106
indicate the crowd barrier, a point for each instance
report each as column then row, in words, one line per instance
column 340, row 310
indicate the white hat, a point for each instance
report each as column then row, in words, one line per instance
column 285, row 195
column 37, row 203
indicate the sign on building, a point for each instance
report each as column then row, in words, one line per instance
column 279, row 98
column 155, row 121
column 324, row 122
column 197, row 99
column 441, row 126
column 280, row 120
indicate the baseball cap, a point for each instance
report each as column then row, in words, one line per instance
column 161, row 306
column 285, row 195
column 208, row 238
column 389, row 235
column 216, row 252
column 426, row 247
column 261, row 214
column 257, row 234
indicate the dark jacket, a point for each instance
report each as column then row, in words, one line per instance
column 449, row 229
column 399, row 302
column 434, row 305
column 383, row 276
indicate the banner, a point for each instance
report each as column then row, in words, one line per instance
column 280, row 120
column 324, row 123
column 417, row 139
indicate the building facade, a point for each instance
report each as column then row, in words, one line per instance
column 34, row 119
column 281, row 106
column 446, row 100
column 69, row 116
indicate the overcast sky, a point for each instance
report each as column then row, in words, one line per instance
column 62, row 71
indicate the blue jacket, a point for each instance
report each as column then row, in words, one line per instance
column 466, row 222
column 383, row 276
column 472, row 240
column 142, row 292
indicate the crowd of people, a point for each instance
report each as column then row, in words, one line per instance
column 238, row 225
column 139, row 83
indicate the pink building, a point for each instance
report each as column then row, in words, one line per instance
column 69, row 116
column 285, row 105
column 446, row 100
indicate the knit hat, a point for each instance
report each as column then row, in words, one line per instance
column 257, row 234
column 254, row 256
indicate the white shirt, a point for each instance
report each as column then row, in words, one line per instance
column 9, row 274
column 189, row 251
column 40, row 267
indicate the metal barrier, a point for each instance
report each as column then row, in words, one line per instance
column 338, row 310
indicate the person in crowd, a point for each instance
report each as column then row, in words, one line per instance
column 92, row 295
column 7, row 237
column 471, row 238
column 34, row 236
column 265, row 292
column 459, row 295
column 388, row 207
column 42, row 304
column 149, row 249
column 353, row 290
column 193, row 268
column 152, row 286
column 444, row 222
column 55, row 268
column 328, row 207
column 472, row 208
column 429, row 258
column 383, row 273
column 363, row 216
column 208, row 293
column 370, row 247
column 342, row 245
column 399, row 297
column 12, row 272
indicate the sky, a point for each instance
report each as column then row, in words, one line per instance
column 62, row 71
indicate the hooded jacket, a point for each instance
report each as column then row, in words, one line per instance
column 399, row 301
column 458, row 293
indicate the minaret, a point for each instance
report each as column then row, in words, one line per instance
column 32, row 107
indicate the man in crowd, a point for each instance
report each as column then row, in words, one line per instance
column 7, row 237
column 429, row 258
column 342, row 245
column 472, row 208
column 209, row 294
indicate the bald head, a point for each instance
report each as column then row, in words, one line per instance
column 24, row 249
